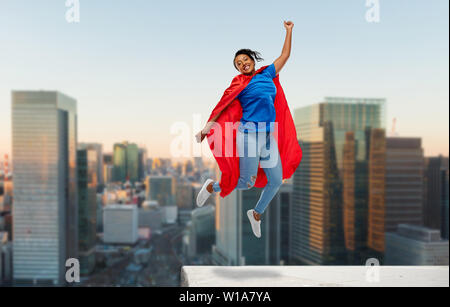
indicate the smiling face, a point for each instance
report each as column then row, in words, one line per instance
column 244, row 64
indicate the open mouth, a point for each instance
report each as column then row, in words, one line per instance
column 246, row 67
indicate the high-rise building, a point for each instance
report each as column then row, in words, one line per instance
column 126, row 162
column 184, row 195
column 202, row 233
column 285, row 220
column 108, row 168
column 404, row 182
column 120, row 162
column 120, row 224
column 235, row 242
column 162, row 189
column 188, row 167
column 142, row 160
column 108, row 158
column 5, row 259
column 8, row 191
column 99, row 151
column 444, row 226
column 376, row 196
column 185, row 201
column 435, row 198
column 45, row 211
column 99, row 215
column 87, row 207
column 415, row 245
column 148, row 166
column 198, row 164
column 334, row 138
column 151, row 216
column 132, row 162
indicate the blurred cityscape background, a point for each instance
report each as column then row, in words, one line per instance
column 360, row 192
column 86, row 111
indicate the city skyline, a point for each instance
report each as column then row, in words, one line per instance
column 102, row 181
column 122, row 68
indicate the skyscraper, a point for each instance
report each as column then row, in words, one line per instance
column 108, row 168
column 142, row 160
column 185, row 200
column 201, row 230
column 162, row 189
column 415, row 245
column 87, row 207
column 333, row 162
column 404, row 182
column 285, row 220
column 445, row 216
column 45, row 212
column 235, row 242
column 126, row 162
column 99, row 152
column 132, row 162
column 120, row 162
column 435, row 193
column 120, row 224
column 376, row 214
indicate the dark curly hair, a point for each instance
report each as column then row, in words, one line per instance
column 254, row 55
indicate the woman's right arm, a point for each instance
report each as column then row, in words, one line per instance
column 235, row 87
column 201, row 135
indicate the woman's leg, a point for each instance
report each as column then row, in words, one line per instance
column 274, row 172
column 248, row 161
column 214, row 187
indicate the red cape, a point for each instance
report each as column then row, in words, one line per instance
column 288, row 146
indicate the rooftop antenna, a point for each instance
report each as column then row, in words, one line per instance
column 394, row 122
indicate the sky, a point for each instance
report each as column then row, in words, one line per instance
column 137, row 67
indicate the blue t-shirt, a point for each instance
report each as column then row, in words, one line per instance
column 257, row 101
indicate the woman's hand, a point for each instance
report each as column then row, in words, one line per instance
column 288, row 25
column 286, row 52
column 201, row 135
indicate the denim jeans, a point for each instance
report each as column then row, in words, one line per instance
column 255, row 148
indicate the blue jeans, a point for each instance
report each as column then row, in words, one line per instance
column 255, row 148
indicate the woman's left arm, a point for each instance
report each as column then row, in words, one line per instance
column 286, row 52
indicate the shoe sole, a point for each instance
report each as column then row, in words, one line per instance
column 207, row 182
column 250, row 217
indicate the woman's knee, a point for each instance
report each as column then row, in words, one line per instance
column 249, row 181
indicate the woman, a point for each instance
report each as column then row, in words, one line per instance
column 265, row 138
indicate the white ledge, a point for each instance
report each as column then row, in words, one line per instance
column 314, row 276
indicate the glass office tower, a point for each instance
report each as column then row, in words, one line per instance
column 87, row 207
column 45, row 213
column 132, row 162
column 334, row 161
column 235, row 242
column 120, row 162
column 126, row 162
column 404, row 182
column 435, row 192
column 162, row 189
column 99, row 150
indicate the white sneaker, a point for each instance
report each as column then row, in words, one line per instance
column 256, row 225
column 203, row 194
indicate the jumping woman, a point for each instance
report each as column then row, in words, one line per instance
column 265, row 138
